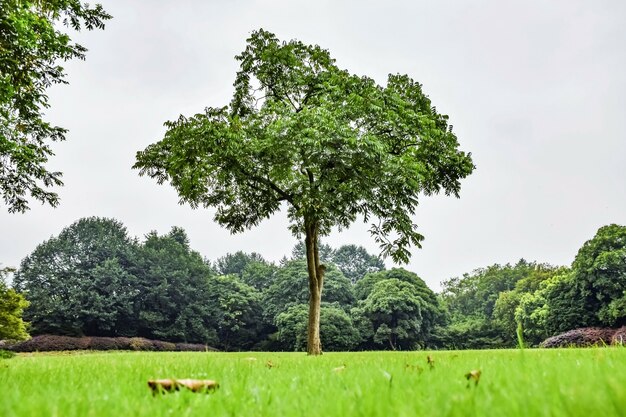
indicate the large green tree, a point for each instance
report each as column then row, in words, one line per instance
column 395, row 312
column 172, row 285
column 237, row 312
column 80, row 281
column 32, row 45
column 396, row 309
column 331, row 145
column 600, row 275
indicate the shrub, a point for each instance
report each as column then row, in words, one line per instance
column 6, row 354
column 619, row 337
column 586, row 336
column 46, row 343
column 193, row 347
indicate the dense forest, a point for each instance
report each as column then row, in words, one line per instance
column 94, row 279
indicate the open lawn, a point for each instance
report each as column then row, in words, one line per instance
column 568, row 382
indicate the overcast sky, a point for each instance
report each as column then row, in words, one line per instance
column 536, row 91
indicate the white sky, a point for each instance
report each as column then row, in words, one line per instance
column 535, row 89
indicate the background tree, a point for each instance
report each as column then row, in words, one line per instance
column 337, row 330
column 80, row 282
column 326, row 252
column 290, row 288
column 237, row 312
column 505, row 316
column 259, row 274
column 600, row 275
column 355, row 262
column 235, row 263
column 395, row 312
column 12, row 305
column 395, row 322
column 31, row 46
column 173, row 291
column 471, row 302
column 333, row 146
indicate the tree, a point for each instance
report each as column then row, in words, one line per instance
column 12, row 305
column 471, row 303
column 337, row 330
column 506, row 317
column 290, row 288
column 235, row 263
column 237, row 312
column 326, row 252
column 31, row 46
column 600, row 275
column 394, row 321
column 395, row 312
column 259, row 274
column 80, row 282
column 330, row 145
column 173, row 291
column 355, row 262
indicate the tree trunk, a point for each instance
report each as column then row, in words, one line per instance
column 316, row 281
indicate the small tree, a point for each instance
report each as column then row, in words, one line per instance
column 331, row 145
column 12, row 305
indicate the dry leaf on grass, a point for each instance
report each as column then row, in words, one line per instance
column 170, row 385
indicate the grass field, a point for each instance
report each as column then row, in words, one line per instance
column 571, row 382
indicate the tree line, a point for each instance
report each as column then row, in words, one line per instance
column 525, row 303
column 94, row 279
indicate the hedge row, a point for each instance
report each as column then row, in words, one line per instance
column 47, row 343
column 586, row 336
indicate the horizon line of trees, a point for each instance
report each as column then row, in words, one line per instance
column 93, row 279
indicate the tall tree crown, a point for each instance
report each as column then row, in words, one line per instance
column 300, row 130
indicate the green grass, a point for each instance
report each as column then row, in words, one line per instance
column 568, row 382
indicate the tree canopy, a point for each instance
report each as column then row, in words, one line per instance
column 12, row 305
column 31, row 46
column 80, row 282
column 331, row 145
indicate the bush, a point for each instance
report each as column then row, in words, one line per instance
column 46, row 343
column 193, row 347
column 619, row 337
column 6, row 354
column 586, row 336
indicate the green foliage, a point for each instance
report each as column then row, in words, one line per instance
column 326, row 252
column 12, row 305
column 259, row 274
column 31, row 46
column 79, row 282
column 402, row 311
column 355, row 262
column 172, row 291
column 331, row 144
column 337, row 330
column 237, row 312
column 483, row 305
column 395, row 314
column 600, row 275
column 235, row 263
column 290, row 287
column 352, row 260
column 6, row 354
